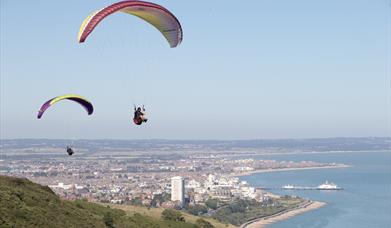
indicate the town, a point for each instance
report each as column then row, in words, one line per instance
column 169, row 180
column 199, row 178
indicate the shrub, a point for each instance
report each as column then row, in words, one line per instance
column 108, row 219
column 203, row 223
column 172, row 215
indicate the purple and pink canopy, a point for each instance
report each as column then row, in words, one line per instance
column 154, row 14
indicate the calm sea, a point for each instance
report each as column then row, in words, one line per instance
column 365, row 201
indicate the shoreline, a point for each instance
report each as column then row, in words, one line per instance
column 265, row 221
column 302, row 152
column 288, row 169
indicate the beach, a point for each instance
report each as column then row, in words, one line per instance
column 263, row 222
column 288, row 169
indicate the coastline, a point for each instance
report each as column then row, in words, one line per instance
column 284, row 215
column 263, row 222
column 288, row 169
column 238, row 154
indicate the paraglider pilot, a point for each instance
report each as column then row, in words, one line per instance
column 139, row 116
column 69, row 151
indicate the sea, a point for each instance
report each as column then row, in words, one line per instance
column 365, row 200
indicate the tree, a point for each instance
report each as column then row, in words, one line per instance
column 239, row 206
column 172, row 215
column 203, row 223
column 197, row 209
column 166, row 197
column 156, row 199
column 136, row 201
column 211, row 203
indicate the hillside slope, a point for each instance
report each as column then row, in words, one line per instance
column 26, row 204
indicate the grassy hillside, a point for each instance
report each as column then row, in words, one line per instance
column 26, row 204
column 157, row 212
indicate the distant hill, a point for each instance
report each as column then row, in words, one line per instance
column 26, row 204
column 315, row 144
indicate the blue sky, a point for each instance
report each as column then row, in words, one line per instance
column 245, row 70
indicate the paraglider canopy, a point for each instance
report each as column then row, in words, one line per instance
column 76, row 98
column 154, row 14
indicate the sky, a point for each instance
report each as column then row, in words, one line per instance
column 245, row 70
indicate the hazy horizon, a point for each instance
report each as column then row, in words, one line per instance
column 211, row 139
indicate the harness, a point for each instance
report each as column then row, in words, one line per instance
column 138, row 118
column 137, row 121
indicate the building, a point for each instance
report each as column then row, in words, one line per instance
column 178, row 189
column 223, row 193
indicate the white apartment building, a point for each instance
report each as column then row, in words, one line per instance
column 178, row 189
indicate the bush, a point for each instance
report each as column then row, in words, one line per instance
column 172, row 215
column 108, row 219
column 203, row 223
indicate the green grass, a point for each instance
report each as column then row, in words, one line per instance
column 157, row 213
column 26, row 204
